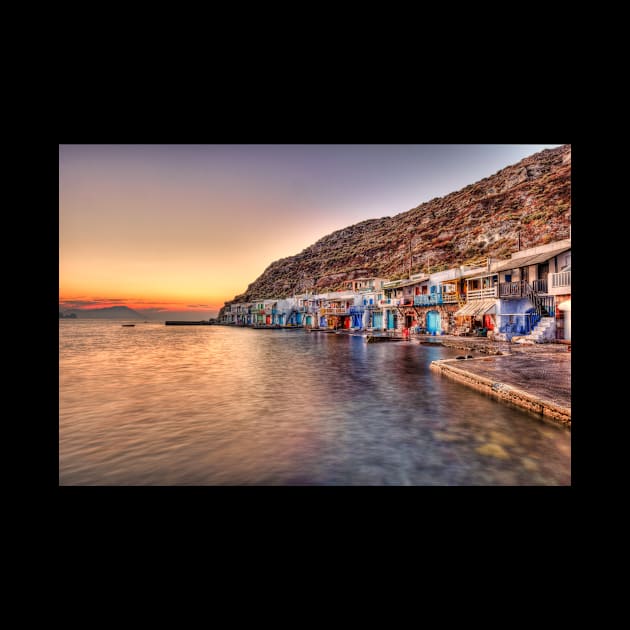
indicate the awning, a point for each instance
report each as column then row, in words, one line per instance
column 565, row 306
column 478, row 307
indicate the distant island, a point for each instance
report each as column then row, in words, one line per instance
column 110, row 312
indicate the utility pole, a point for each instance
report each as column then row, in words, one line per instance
column 519, row 240
column 410, row 257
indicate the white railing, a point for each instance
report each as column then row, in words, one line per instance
column 482, row 294
column 562, row 279
column 449, row 298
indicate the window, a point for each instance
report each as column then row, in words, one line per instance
column 508, row 277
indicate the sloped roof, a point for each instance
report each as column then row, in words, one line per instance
column 405, row 282
column 525, row 261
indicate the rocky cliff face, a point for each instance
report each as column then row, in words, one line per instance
column 483, row 219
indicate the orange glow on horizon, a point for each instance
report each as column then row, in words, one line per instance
column 88, row 302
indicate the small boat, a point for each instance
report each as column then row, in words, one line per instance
column 128, row 325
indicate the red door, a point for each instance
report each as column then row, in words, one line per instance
column 268, row 319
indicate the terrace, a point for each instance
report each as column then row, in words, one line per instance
column 560, row 283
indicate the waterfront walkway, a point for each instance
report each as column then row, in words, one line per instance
column 536, row 377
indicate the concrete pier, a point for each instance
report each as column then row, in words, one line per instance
column 538, row 381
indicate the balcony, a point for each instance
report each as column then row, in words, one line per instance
column 341, row 310
column 482, row 294
column 356, row 310
column 512, row 290
column 521, row 289
column 428, row 299
column 539, row 286
column 560, row 283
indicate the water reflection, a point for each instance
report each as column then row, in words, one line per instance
column 214, row 405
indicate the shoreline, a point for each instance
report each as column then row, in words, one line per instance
column 481, row 374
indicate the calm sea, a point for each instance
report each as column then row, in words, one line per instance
column 163, row 405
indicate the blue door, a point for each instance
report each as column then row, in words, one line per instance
column 434, row 324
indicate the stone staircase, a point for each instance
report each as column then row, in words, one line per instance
column 543, row 332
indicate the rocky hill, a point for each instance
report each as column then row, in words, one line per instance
column 109, row 312
column 532, row 197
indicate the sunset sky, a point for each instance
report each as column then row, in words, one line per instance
column 174, row 228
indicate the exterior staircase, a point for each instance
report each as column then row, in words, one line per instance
column 543, row 332
column 543, row 323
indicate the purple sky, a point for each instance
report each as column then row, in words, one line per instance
column 194, row 224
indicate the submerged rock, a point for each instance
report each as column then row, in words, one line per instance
column 493, row 450
column 502, row 438
column 529, row 464
column 447, row 437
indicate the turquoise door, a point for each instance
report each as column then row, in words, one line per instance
column 390, row 319
column 377, row 319
column 434, row 323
